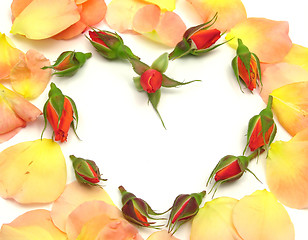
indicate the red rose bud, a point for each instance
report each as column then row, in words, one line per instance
column 151, row 80
column 110, row 45
column 61, row 112
column 137, row 210
column 261, row 128
column 205, row 38
column 246, row 66
column 230, row 168
column 68, row 63
column 86, row 171
column 184, row 208
column 197, row 40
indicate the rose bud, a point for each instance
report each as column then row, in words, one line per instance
column 152, row 78
column 137, row 210
column 230, row 168
column 86, row 171
column 261, row 128
column 184, row 208
column 61, row 112
column 197, row 40
column 68, row 63
column 246, row 66
column 110, row 45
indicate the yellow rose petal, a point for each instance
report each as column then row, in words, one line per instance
column 162, row 235
column 163, row 4
column 44, row 18
column 214, row 221
column 268, row 39
column 32, row 225
column 298, row 55
column 286, row 170
column 290, row 105
column 260, row 216
column 32, row 172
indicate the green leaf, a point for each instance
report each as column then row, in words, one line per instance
column 161, row 63
column 168, row 82
column 154, row 99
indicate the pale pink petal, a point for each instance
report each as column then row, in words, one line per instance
column 230, row 12
column 268, row 39
column 27, row 76
column 277, row 75
column 162, row 235
column 8, row 135
column 32, row 225
column 85, row 212
column 170, row 29
column 146, row 18
column 75, row 194
column 120, row 14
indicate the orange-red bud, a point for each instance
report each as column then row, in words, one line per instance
column 205, row 38
column 250, row 78
column 151, row 80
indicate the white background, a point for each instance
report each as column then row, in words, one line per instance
column 121, row 132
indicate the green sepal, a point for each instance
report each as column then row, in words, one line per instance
column 103, row 50
column 258, row 69
column 75, row 116
column 61, row 59
column 56, row 99
column 154, row 99
column 45, row 118
column 182, row 48
column 236, row 71
column 137, row 84
column 169, row 83
column 161, row 63
column 138, row 66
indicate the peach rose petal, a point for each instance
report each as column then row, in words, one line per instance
column 162, row 235
column 44, row 18
column 80, row 1
column 27, row 76
column 261, row 216
column 85, row 212
column 120, row 14
column 75, row 194
column 93, row 12
column 298, row 55
column 146, row 19
column 230, row 12
column 286, row 170
column 290, row 105
column 163, row 4
column 268, row 39
column 15, row 112
column 18, row 6
column 32, row 172
column 170, row 29
column 279, row 74
column 72, row 31
column 9, row 56
column 214, row 221
column 32, row 225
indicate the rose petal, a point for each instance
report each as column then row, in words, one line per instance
column 43, row 18
column 27, row 76
column 120, row 14
column 72, row 31
column 18, row 6
column 32, row 225
column 32, row 172
column 214, row 221
column 163, row 4
column 106, row 227
column 75, row 194
column 261, row 216
column 93, row 11
column 230, row 12
column 268, row 39
column 277, row 75
column 87, row 211
column 290, row 105
column 161, row 235
column 8, row 135
column 9, row 55
column 146, row 18
column 15, row 112
column 170, row 29
column 286, row 170
column 298, row 55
